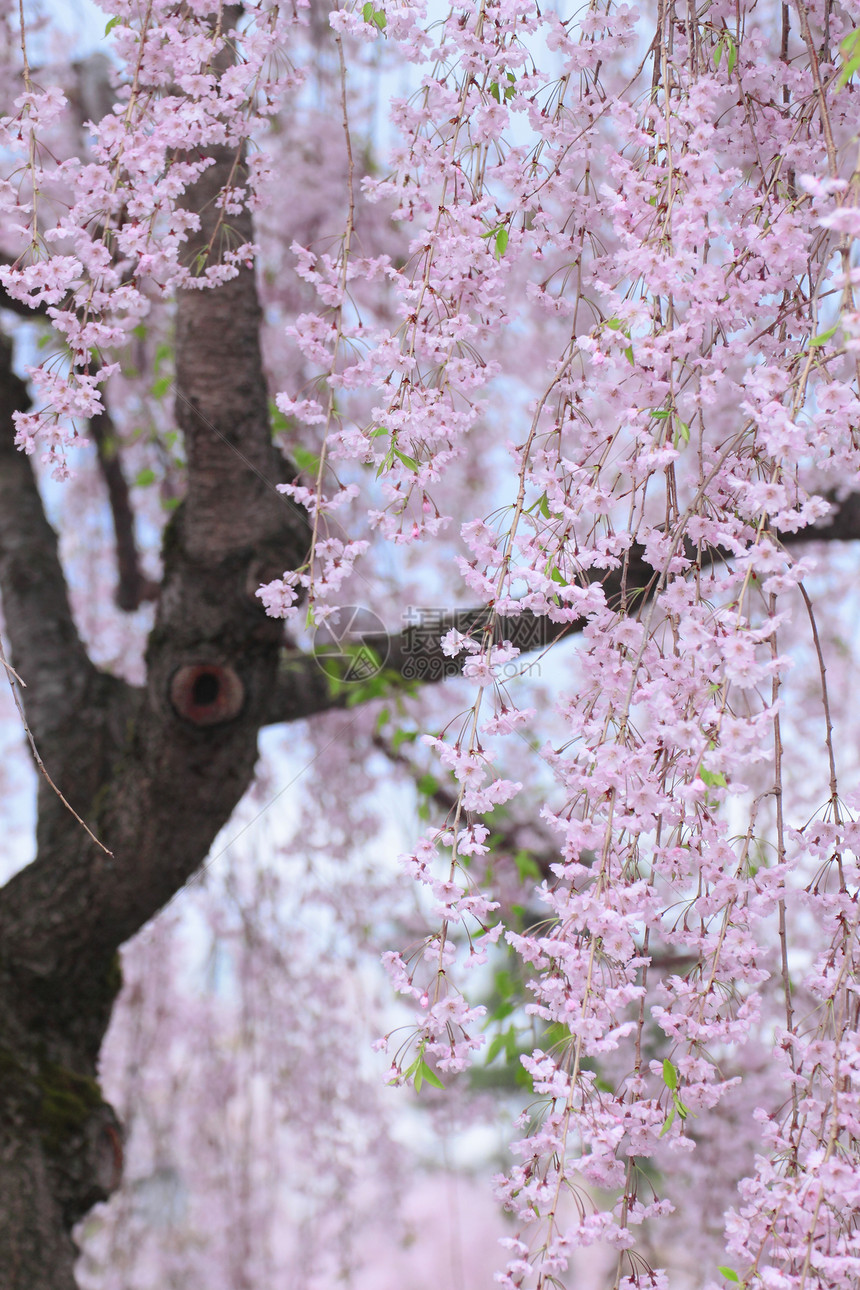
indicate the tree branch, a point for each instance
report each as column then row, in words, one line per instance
column 45, row 647
column 132, row 587
column 415, row 653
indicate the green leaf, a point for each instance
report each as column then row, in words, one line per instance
column 661, row 414
column 501, row 242
column 523, row 1079
column 375, row 688
column 410, row 462
column 309, row 462
column 425, row 1072
column 670, row 1075
column 377, row 431
column 336, row 686
column 403, row 737
column 375, row 16
column 727, row 42
column 729, row 1274
column 140, row 330
column 503, row 1010
column 628, row 354
column 848, row 71
column 614, row 324
column 557, row 1034
column 669, row 1119
column 682, row 433
column 111, row 23
column 850, row 44
column 824, row 336
column 277, row 420
column 144, row 478
column 733, row 54
column 712, row 778
column 427, row 784
column 495, row 1048
column 494, row 92
column 850, row 50
column 543, row 506
column 161, row 386
column 527, row 867
column 384, row 465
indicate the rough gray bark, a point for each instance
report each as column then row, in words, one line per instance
column 132, row 586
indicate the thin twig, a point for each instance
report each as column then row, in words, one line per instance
column 13, row 677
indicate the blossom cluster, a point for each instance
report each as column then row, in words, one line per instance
column 96, row 240
column 692, row 402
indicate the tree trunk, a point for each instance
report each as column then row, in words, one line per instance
column 155, row 772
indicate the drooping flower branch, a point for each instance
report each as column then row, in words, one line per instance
column 94, row 239
column 678, row 246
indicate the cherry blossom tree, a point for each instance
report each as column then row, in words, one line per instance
column 560, row 334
